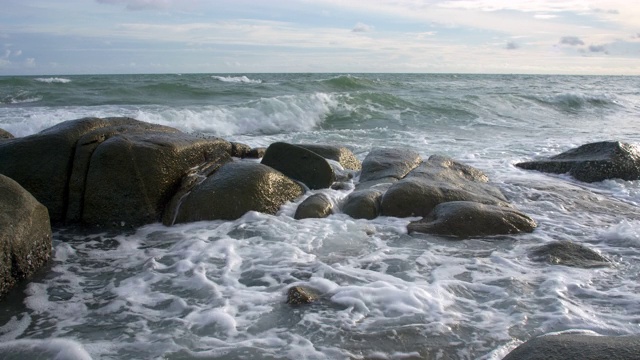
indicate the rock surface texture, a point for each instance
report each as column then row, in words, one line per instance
column 25, row 234
column 300, row 164
column 4, row 135
column 578, row 347
column 593, row 162
column 569, row 254
column 315, row 206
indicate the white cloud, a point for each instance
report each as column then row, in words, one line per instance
column 360, row 27
column 17, row 53
column 145, row 4
column 30, row 62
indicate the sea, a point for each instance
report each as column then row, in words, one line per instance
column 218, row 289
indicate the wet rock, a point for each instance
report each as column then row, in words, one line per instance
column 25, row 234
column 593, row 162
column 569, row 254
column 300, row 164
column 341, row 154
column 315, row 206
column 467, row 219
column 578, row 347
column 256, row 153
column 436, row 181
column 363, row 204
column 240, row 150
column 387, row 162
column 300, row 295
column 382, row 184
column 234, row 189
column 4, row 135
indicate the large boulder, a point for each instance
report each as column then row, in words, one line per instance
column 341, row 154
column 315, row 206
column 4, row 135
column 363, row 204
column 105, row 171
column 300, row 164
column 25, row 234
column 388, row 162
column 467, row 219
column 578, row 347
column 593, row 162
column 435, row 181
column 234, row 189
column 569, row 254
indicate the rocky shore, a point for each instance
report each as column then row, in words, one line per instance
column 121, row 173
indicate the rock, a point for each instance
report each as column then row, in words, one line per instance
column 240, row 150
column 25, row 234
column 300, row 164
column 435, row 181
column 300, row 295
column 363, row 204
column 256, row 153
column 578, row 347
column 467, row 219
column 341, row 154
column 132, row 172
column 315, row 206
column 4, row 135
column 238, row 187
column 593, row 162
column 105, row 171
column 569, row 254
column 385, row 162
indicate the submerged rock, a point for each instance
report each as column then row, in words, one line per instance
column 569, row 254
column 438, row 180
column 25, row 234
column 467, row 219
column 593, row 162
column 388, row 162
column 315, row 206
column 363, row 204
column 300, row 164
column 236, row 188
column 578, row 347
column 300, row 295
column 5, row 135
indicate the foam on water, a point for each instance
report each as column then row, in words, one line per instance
column 52, row 80
column 237, row 79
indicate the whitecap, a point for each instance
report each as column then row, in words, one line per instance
column 52, row 80
column 237, row 79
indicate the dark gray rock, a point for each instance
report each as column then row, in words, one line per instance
column 301, row 295
column 256, row 153
column 341, row 154
column 593, row 162
column 467, row 219
column 385, row 162
column 363, row 204
column 578, row 347
column 4, row 135
column 300, row 164
column 435, row 181
column 315, row 206
column 132, row 172
column 25, row 234
column 234, row 189
column 569, row 254
column 382, row 184
column 240, row 150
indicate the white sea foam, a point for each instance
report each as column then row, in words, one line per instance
column 237, row 79
column 52, row 80
column 54, row 349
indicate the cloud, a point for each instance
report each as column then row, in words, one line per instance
column 140, row 4
column 597, row 48
column 360, row 27
column 30, row 62
column 606, row 11
column 571, row 40
column 512, row 45
column 17, row 53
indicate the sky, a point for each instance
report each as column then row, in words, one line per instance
column 348, row 36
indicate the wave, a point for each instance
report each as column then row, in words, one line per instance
column 348, row 82
column 52, row 80
column 237, row 79
column 575, row 101
column 21, row 97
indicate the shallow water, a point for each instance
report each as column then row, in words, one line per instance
column 217, row 289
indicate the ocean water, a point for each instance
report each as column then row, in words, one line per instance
column 217, row 290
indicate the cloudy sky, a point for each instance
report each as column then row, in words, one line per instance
column 248, row 36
